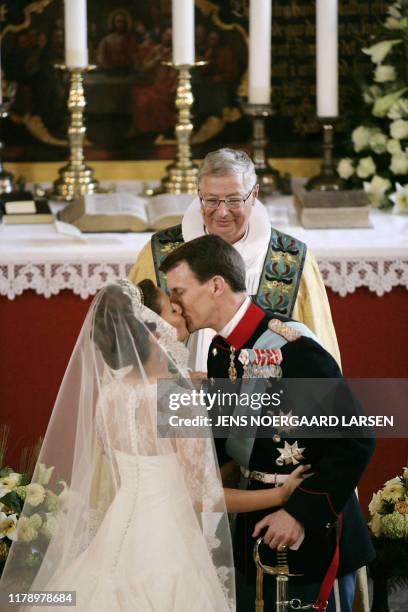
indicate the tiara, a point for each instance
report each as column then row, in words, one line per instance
column 133, row 291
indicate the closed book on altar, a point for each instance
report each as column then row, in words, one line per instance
column 125, row 212
column 332, row 209
column 22, row 208
column 335, row 218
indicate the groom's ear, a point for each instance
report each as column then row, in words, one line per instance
column 219, row 285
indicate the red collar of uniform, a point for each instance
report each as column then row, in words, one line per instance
column 246, row 327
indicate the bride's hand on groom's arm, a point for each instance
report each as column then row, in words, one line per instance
column 295, row 479
column 238, row 500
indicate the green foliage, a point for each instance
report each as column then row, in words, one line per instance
column 378, row 147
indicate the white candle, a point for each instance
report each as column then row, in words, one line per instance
column 327, row 58
column 1, row 82
column 183, row 32
column 260, row 35
column 76, row 44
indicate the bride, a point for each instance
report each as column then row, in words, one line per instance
column 133, row 528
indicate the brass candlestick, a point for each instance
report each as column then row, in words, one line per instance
column 76, row 178
column 182, row 174
column 328, row 179
column 269, row 178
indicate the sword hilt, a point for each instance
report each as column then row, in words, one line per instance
column 281, row 573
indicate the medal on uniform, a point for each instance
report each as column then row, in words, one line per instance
column 290, row 453
column 232, row 370
column 261, row 363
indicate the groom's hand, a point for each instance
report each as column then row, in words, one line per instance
column 283, row 529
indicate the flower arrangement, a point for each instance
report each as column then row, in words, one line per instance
column 389, row 527
column 41, row 504
column 37, row 524
column 379, row 161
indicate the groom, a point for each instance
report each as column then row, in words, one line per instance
column 322, row 519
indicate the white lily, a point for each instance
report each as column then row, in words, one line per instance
column 44, row 474
column 8, row 526
column 4, row 490
column 382, row 105
column 400, row 199
column 392, row 23
column 380, row 50
column 394, row 12
column 11, row 481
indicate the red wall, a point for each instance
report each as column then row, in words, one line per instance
column 38, row 335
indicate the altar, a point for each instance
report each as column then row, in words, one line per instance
column 48, row 279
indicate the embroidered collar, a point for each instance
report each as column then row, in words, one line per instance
column 246, row 327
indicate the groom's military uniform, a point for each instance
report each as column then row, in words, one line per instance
column 327, row 498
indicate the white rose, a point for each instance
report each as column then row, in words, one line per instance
column 366, row 167
column 35, row 521
column 399, row 129
column 49, row 527
column 380, row 50
column 399, row 163
column 376, row 189
column 345, row 168
column 400, row 200
column 35, row 494
column 375, row 525
column 378, row 142
column 25, row 530
column 361, row 137
column 384, row 73
column 393, row 146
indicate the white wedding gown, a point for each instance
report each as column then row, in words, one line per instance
column 149, row 553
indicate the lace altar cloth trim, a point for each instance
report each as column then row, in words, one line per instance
column 379, row 275
column 84, row 279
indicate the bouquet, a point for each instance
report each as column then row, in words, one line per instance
column 389, row 527
column 379, row 158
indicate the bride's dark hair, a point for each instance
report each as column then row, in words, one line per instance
column 117, row 332
column 151, row 295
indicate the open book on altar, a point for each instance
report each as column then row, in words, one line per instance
column 125, row 212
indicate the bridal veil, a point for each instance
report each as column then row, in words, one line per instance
column 104, row 423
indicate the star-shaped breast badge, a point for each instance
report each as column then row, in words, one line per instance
column 290, row 453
